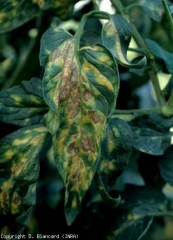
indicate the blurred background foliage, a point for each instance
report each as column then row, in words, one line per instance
column 19, row 60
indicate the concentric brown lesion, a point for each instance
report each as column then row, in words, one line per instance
column 87, row 95
column 73, row 149
column 87, row 143
column 96, row 118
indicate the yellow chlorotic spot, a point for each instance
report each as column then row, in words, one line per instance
column 35, row 100
column 2, row 15
column 5, row 230
column 14, row 3
column 9, row 154
column 27, row 131
column 74, row 204
column 15, row 97
column 36, row 140
column 19, row 141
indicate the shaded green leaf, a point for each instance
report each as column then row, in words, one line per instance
column 81, row 87
column 15, row 13
column 161, row 54
column 116, row 36
column 116, row 149
column 166, row 165
column 132, row 229
column 153, row 8
column 23, row 105
column 109, row 200
column 143, row 200
column 151, row 133
column 138, row 206
column 18, row 175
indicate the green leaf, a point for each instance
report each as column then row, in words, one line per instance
column 109, row 200
column 116, row 149
column 151, row 133
column 19, row 172
column 15, row 13
column 23, row 105
column 138, row 206
column 81, row 87
column 133, row 229
column 64, row 8
column 153, row 8
column 161, row 54
column 52, row 122
column 143, row 200
column 166, row 166
column 116, row 36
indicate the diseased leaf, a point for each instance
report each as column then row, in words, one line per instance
column 154, row 8
column 116, row 36
column 64, row 8
column 166, row 165
column 161, row 54
column 151, row 133
column 15, row 13
column 81, row 87
column 116, row 149
column 50, row 40
column 23, row 105
column 18, row 175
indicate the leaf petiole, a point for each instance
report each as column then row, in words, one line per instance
column 94, row 14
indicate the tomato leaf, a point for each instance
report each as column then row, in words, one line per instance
column 135, row 213
column 166, row 165
column 23, row 105
column 14, row 14
column 52, row 122
column 116, row 149
column 116, row 36
column 151, row 133
column 153, row 8
column 161, row 54
column 19, row 172
column 81, row 88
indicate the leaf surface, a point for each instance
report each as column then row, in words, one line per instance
column 135, row 213
column 81, row 88
column 166, row 165
column 161, row 54
column 23, row 105
column 153, row 8
column 116, row 36
column 19, row 172
column 116, row 149
column 15, row 13
column 151, row 133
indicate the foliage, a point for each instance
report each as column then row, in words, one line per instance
column 70, row 132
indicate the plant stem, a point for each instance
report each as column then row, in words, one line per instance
column 168, row 13
column 95, row 5
column 140, row 42
column 142, row 111
column 128, row 115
